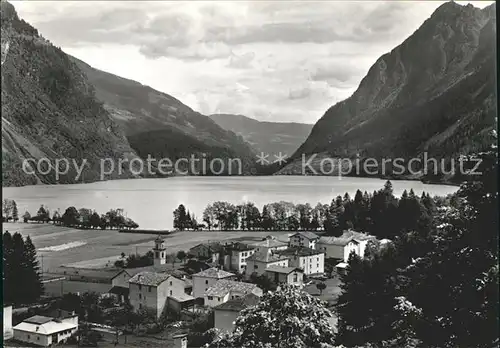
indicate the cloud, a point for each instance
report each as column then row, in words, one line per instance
column 242, row 61
column 281, row 61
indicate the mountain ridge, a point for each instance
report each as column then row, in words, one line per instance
column 433, row 91
column 265, row 136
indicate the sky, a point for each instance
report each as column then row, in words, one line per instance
column 283, row 61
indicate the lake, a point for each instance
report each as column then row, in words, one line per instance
column 150, row 202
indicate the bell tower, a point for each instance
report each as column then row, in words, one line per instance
column 160, row 252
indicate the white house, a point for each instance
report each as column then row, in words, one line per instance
column 304, row 239
column 269, row 245
column 310, row 260
column 46, row 331
column 259, row 262
column 7, row 322
column 225, row 290
column 341, row 247
column 149, row 290
column 205, row 279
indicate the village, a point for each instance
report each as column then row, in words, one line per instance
column 218, row 281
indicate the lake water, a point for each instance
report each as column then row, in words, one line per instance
column 150, row 202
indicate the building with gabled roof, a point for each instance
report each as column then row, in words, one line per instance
column 224, row 290
column 285, row 275
column 341, row 247
column 303, row 239
column 259, row 262
column 269, row 245
column 150, row 291
column 46, row 331
column 312, row 261
column 205, row 279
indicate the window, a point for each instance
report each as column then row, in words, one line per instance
column 157, row 254
column 206, row 282
column 37, row 338
column 149, row 289
column 295, row 278
column 210, row 297
column 140, row 297
column 140, row 306
column 29, row 336
column 255, row 266
column 170, row 292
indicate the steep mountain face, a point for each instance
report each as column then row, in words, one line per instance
column 49, row 112
column 434, row 93
column 268, row 137
column 159, row 125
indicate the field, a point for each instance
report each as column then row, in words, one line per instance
column 59, row 246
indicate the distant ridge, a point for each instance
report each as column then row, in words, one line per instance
column 264, row 136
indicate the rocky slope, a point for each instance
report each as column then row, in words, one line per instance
column 49, row 111
column 159, row 125
column 434, row 93
column 267, row 137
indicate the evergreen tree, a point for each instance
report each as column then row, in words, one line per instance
column 26, row 216
column 15, row 212
column 180, row 217
column 32, row 275
column 267, row 220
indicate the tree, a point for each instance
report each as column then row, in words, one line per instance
column 43, row 214
column 285, row 318
column 209, row 216
column 15, row 212
column 70, row 217
column 26, row 216
column 95, row 220
column 321, row 286
column 32, row 275
column 267, row 221
column 181, row 255
column 180, row 217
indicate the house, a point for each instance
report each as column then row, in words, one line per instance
column 310, row 260
column 304, row 239
column 269, row 245
column 66, row 280
column 46, row 331
column 225, row 290
column 205, row 279
column 225, row 314
column 235, row 255
column 259, row 262
column 205, row 251
column 7, row 322
column 287, row 275
column 341, row 247
column 149, row 290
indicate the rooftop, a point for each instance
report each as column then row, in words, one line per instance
column 264, row 256
column 38, row 319
column 215, row 246
column 166, row 268
column 238, row 247
column 223, row 286
column 295, row 251
column 284, row 270
column 149, row 278
column 269, row 243
column 214, row 273
column 306, row 234
column 239, row 303
column 346, row 237
column 44, row 325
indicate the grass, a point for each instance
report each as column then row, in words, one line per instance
column 103, row 246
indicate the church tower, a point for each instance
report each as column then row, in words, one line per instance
column 160, row 252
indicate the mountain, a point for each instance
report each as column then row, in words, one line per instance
column 434, row 93
column 49, row 111
column 159, row 125
column 268, row 137
column 55, row 106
